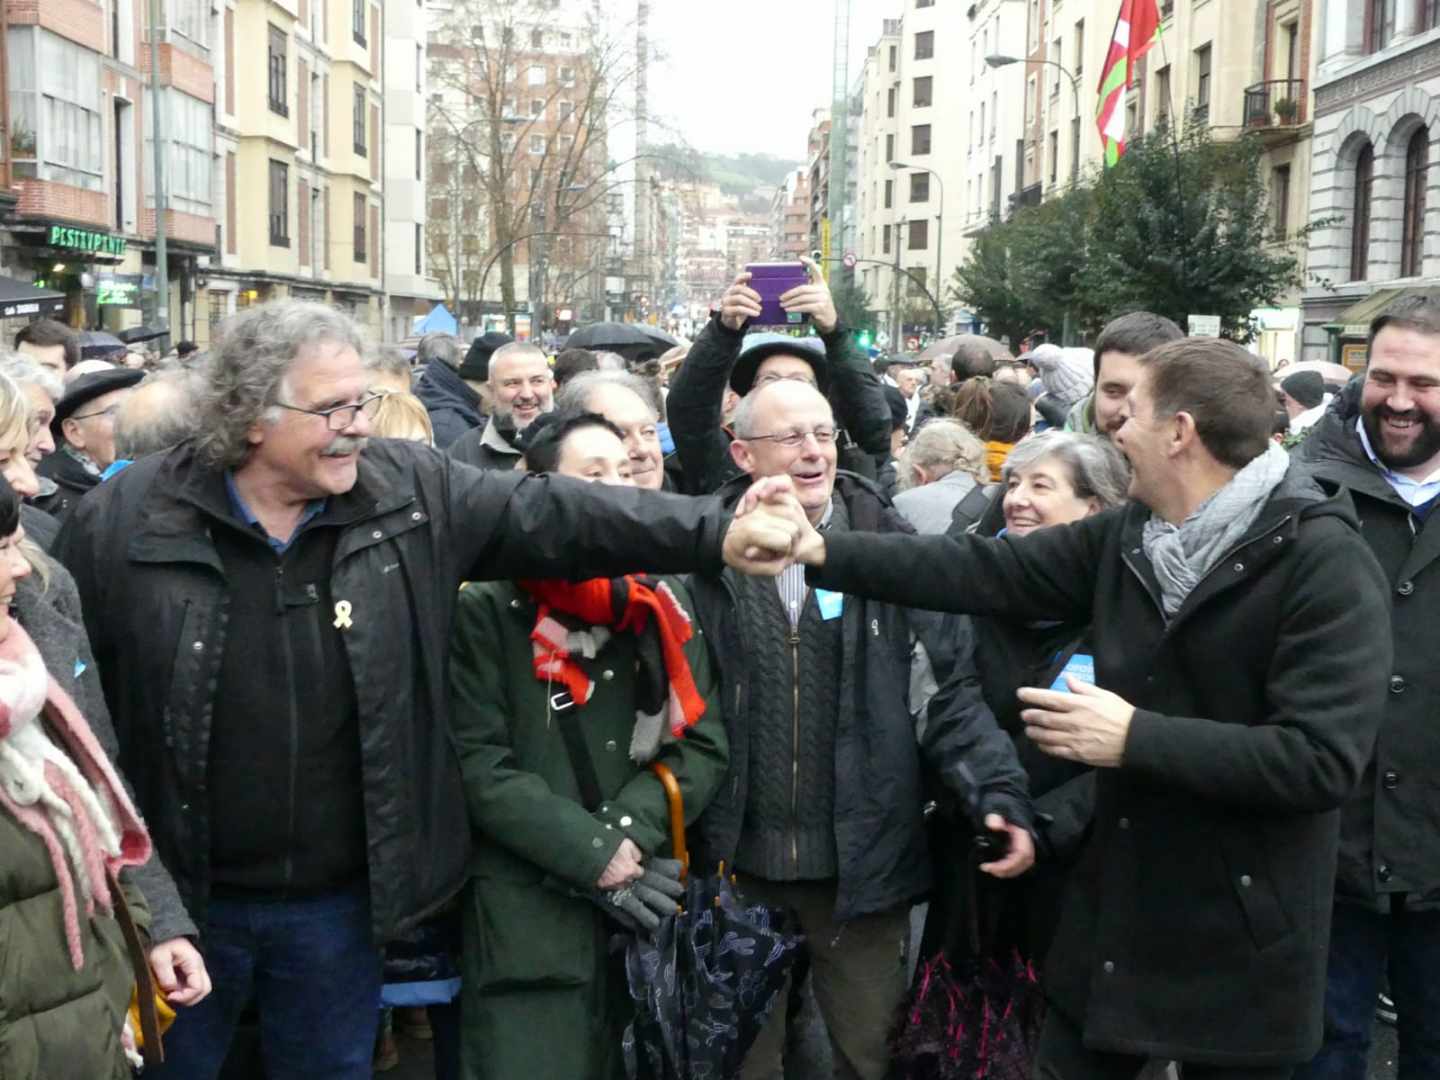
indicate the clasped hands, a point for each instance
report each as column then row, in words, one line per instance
column 770, row 531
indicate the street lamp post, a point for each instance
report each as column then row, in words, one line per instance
column 997, row 60
column 939, row 231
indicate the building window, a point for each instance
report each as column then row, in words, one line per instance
column 1382, row 24
column 357, row 125
column 1052, row 148
column 889, row 148
column 892, row 58
column 360, row 214
column 919, row 235
column 279, row 204
column 1360, row 214
column 55, row 125
column 1074, row 145
column 192, row 18
column 189, row 155
column 279, row 62
column 924, row 92
column 924, row 3
column 890, row 103
column 1055, row 72
column 419, row 68
column 889, row 193
column 924, row 45
column 920, row 187
column 1412, row 231
column 1280, row 199
column 567, row 76
column 1079, row 64
column 885, row 240
column 419, row 154
column 419, row 249
column 535, row 76
column 1430, row 15
column 1162, row 92
column 357, row 21
column 1029, row 100
column 567, row 110
column 537, row 39
column 1202, row 83
column 920, row 139
column 537, row 144
column 537, row 108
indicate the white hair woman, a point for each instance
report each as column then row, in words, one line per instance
column 943, row 463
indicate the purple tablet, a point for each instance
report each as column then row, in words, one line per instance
column 773, row 280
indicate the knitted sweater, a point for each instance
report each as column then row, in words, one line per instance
column 789, row 829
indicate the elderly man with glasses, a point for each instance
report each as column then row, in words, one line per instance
column 821, row 812
column 84, row 431
column 725, row 355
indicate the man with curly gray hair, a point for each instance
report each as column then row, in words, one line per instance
column 270, row 605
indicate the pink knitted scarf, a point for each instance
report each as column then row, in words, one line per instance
column 38, row 787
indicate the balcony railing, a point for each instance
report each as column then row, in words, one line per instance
column 1276, row 103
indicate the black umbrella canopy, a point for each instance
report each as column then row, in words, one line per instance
column 656, row 334
column 609, row 335
column 97, row 344
column 141, row 333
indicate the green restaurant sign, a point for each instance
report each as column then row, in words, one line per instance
column 62, row 236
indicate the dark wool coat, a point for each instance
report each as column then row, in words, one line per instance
column 155, row 596
column 536, row 957
column 1198, row 916
column 1390, row 830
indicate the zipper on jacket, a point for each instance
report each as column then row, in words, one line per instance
column 794, row 640
column 287, row 650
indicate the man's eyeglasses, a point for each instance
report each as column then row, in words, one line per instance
column 341, row 417
column 770, row 377
column 103, row 412
column 793, row 440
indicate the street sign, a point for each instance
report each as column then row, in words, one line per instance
column 882, row 340
column 850, row 260
column 1204, row 325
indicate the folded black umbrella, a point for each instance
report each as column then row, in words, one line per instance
column 141, row 333
column 705, row 984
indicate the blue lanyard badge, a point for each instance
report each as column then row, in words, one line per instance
column 1081, row 667
column 831, row 604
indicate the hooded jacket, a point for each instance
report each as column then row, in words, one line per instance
column 156, row 606
column 881, row 846
column 1390, row 829
column 453, row 406
column 1197, row 919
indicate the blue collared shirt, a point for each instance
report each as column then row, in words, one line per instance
column 1414, row 492
column 313, row 509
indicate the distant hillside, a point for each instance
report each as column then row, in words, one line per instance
column 737, row 174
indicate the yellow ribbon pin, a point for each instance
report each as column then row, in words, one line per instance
column 342, row 615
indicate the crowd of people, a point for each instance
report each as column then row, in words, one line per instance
column 332, row 681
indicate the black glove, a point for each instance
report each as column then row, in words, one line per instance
column 641, row 905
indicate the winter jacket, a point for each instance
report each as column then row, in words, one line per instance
column 698, row 388
column 57, row 1023
column 880, row 838
column 1197, row 919
column 453, row 406
column 485, row 448
column 535, row 963
column 419, row 524
column 1390, row 830
column 71, row 478
column 930, row 507
column 39, row 526
column 50, row 613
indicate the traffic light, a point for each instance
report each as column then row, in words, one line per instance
column 862, row 338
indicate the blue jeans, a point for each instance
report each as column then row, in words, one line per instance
column 1363, row 944
column 315, row 976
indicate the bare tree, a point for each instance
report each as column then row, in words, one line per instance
column 526, row 94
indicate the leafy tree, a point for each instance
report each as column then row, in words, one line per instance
column 852, row 302
column 1178, row 227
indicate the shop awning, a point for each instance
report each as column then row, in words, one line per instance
column 18, row 299
column 1355, row 320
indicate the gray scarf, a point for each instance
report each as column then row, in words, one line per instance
column 1182, row 555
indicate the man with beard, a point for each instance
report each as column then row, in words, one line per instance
column 1387, row 895
column 1118, row 350
column 270, row 606
column 521, row 388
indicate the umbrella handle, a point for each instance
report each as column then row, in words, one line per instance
column 677, row 813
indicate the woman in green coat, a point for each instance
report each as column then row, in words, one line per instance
column 541, row 995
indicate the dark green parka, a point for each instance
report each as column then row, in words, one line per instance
column 537, row 997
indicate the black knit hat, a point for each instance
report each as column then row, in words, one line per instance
column 476, row 366
column 1306, row 387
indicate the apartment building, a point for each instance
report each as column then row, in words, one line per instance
column 789, row 217
column 76, row 186
column 1377, row 117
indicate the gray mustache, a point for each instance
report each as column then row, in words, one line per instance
column 343, row 445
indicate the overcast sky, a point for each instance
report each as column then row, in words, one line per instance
column 745, row 75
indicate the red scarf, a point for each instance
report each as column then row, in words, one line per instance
column 623, row 604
